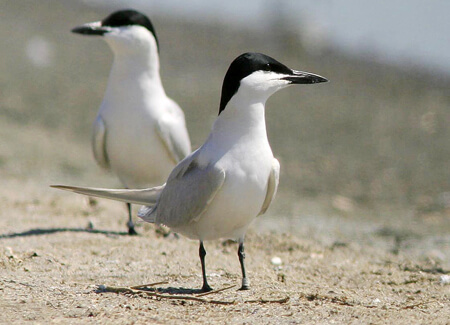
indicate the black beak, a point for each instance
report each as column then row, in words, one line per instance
column 91, row 29
column 300, row 77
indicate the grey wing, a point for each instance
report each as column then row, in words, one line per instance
column 172, row 131
column 99, row 143
column 272, row 186
column 189, row 191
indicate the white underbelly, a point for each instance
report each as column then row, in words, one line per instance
column 138, row 157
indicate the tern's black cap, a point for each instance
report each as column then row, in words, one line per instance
column 243, row 66
column 120, row 18
column 129, row 17
column 247, row 63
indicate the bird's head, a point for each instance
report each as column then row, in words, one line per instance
column 259, row 76
column 126, row 31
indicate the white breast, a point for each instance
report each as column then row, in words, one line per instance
column 247, row 169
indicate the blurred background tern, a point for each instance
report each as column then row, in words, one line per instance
column 139, row 134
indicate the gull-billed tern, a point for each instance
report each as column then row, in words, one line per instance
column 139, row 134
column 232, row 178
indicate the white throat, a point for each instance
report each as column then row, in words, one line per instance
column 135, row 52
column 136, row 64
column 136, row 72
column 242, row 117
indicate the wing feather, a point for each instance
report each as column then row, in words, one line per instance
column 272, row 186
column 173, row 134
column 99, row 143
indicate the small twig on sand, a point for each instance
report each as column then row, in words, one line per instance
column 104, row 288
column 418, row 304
column 149, row 285
column 215, row 291
column 269, row 301
column 162, row 296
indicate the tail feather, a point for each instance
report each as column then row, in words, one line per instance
column 148, row 196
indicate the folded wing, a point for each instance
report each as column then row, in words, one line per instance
column 272, row 186
column 188, row 193
column 99, row 143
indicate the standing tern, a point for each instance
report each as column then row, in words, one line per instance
column 232, row 178
column 139, row 134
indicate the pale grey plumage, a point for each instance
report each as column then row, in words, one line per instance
column 188, row 192
column 173, row 140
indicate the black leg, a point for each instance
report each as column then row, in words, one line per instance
column 202, row 253
column 130, row 223
column 241, row 254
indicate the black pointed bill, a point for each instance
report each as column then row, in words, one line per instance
column 300, row 77
column 95, row 29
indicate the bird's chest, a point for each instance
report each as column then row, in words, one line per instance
column 247, row 171
column 129, row 118
column 241, row 196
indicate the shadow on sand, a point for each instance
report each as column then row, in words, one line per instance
column 47, row 231
column 157, row 290
column 174, row 291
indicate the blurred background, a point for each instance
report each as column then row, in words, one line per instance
column 366, row 153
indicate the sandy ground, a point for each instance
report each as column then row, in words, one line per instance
column 52, row 270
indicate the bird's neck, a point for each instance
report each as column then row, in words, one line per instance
column 136, row 68
column 242, row 119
